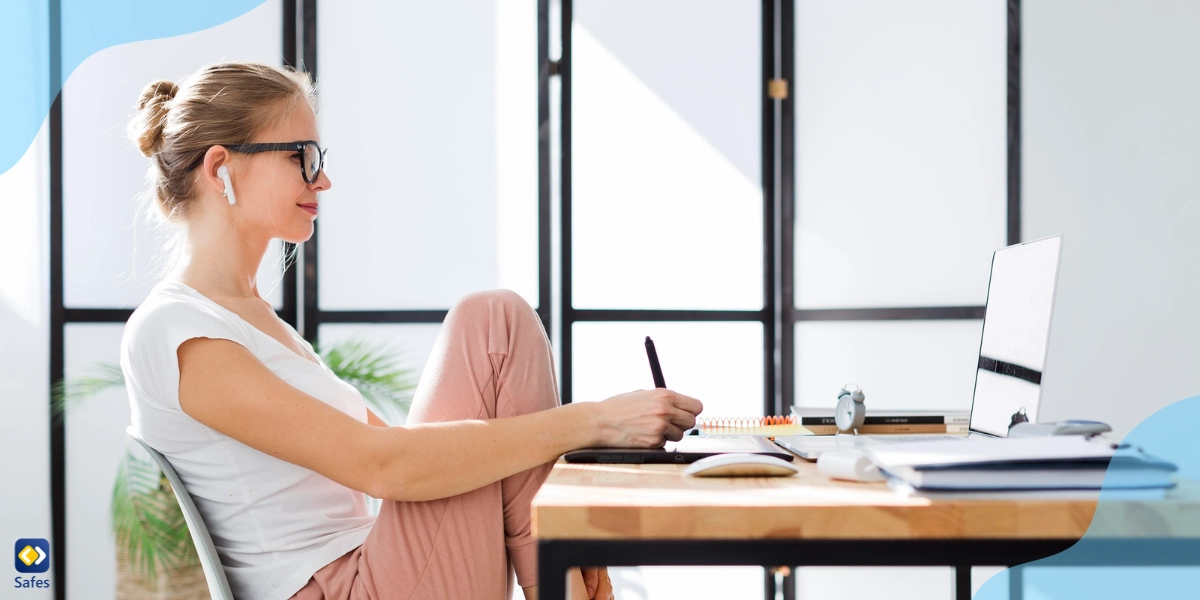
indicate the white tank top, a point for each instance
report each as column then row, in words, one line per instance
column 274, row 523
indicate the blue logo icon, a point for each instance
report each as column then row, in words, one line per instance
column 32, row 555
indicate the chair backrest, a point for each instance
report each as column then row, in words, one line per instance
column 214, row 573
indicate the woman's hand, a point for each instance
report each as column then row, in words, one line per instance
column 646, row 418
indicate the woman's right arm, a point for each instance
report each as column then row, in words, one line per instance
column 224, row 386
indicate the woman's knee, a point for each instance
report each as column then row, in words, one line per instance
column 483, row 302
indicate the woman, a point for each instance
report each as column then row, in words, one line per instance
column 275, row 450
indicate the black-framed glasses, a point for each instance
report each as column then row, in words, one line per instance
column 312, row 156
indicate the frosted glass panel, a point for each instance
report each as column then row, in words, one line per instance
column 981, row 575
column 898, row 364
column 666, row 158
column 693, row 583
column 23, row 232
column 108, row 250
column 893, row 583
column 95, row 444
column 412, row 344
column 430, row 109
column 720, row 364
column 900, row 151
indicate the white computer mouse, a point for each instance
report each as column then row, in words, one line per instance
column 737, row 464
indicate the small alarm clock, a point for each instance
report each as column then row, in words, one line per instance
column 850, row 412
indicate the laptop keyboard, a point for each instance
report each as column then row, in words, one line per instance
column 905, row 439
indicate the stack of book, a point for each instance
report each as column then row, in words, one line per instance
column 819, row 421
column 1031, row 466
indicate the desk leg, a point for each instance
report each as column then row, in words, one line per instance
column 1016, row 582
column 552, row 574
column 780, row 582
column 962, row 582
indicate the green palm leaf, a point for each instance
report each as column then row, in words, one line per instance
column 149, row 525
column 66, row 395
column 375, row 371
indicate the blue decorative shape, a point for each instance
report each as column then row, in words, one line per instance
column 34, row 76
column 1151, row 564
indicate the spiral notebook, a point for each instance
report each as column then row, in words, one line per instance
column 770, row 426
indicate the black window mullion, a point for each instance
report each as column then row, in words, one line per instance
column 290, row 311
column 289, row 33
column 787, row 219
column 901, row 313
column 1014, row 121
column 784, row 156
column 770, row 233
column 96, row 315
column 383, row 316
column 545, row 225
column 58, row 425
column 308, row 63
column 650, row 314
column 568, row 312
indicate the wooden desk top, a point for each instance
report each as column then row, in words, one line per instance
column 615, row 501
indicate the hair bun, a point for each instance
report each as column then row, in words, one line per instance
column 147, row 127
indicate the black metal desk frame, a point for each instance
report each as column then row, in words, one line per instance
column 556, row 556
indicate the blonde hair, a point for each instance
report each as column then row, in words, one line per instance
column 220, row 104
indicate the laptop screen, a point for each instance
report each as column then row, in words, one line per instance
column 1016, row 331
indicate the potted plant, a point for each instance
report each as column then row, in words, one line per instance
column 155, row 555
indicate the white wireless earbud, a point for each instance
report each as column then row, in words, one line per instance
column 223, row 173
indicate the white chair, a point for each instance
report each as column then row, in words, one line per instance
column 214, row 573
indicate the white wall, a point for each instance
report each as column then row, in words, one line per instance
column 25, row 352
column 1111, row 161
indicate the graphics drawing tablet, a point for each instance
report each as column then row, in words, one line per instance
column 689, row 449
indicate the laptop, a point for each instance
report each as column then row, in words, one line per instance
column 687, row 450
column 1012, row 352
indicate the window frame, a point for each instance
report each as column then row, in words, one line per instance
column 778, row 316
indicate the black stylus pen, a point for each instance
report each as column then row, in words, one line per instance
column 655, row 368
column 656, row 372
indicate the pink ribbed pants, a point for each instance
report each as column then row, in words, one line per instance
column 492, row 359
